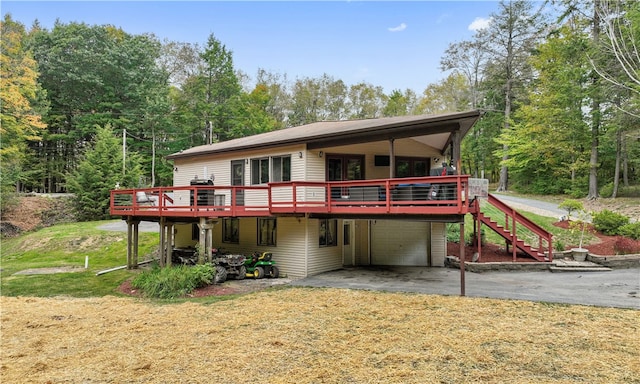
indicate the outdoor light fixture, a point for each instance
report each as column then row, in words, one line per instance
column 175, row 169
column 300, row 155
column 320, row 154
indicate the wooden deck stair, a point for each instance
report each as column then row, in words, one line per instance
column 513, row 227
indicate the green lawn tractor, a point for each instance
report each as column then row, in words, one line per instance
column 260, row 265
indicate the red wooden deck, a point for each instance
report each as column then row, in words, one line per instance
column 420, row 196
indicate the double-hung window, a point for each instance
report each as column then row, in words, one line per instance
column 266, row 169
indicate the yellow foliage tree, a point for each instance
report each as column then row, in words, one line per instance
column 19, row 90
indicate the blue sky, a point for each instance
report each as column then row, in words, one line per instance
column 396, row 45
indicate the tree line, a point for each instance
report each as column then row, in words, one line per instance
column 558, row 81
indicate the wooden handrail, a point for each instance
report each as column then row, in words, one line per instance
column 299, row 197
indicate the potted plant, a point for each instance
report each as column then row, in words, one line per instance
column 579, row 254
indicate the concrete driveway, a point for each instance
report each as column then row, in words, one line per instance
column 618, row 288
column 121, row 226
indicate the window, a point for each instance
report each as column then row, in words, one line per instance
column 280, row 169
column 260, row 171
column 328, row 233
column 231, row 230
column 345, row 167
column 267, row 231
column 411, row 167
column 195, row 232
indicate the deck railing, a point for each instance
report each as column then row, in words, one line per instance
column 444, row 195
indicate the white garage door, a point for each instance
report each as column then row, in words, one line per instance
column 399, row 243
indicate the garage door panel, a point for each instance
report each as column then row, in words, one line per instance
column 399, row 243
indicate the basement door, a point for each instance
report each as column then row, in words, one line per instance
column 395, row 242
column 348, row 243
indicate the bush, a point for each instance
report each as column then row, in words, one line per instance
column 609, row 222
column 558, row 245
column 631, row 230
column 628, row 191
column 607, row 190
column 626, row 246
column 571, row 205
column 453, row 233
column 172, row 282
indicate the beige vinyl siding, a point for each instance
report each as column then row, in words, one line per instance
column 183, row 236
column 315, row 166
column 220, row 167
column 438, row 244
column 322, row 259
column 289, row 252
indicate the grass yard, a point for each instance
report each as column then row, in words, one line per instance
column 73, row 327
column 67, row 246
column 304, row 335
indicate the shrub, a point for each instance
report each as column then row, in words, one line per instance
column 626, row 246
column 609, row 222
column 607, row 190
column 558, row 245
column 453, row 233
column 172, row 282
column 631, row 230
column 571, row 205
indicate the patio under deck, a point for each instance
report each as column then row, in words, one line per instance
column 433, row 198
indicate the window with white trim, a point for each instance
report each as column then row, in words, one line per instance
column 266, row 169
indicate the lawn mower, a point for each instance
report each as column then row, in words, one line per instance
column 260, row 265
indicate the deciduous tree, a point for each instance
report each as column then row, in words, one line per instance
column 20, row 108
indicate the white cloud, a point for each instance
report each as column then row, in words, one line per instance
column 399, row 28
column 480, row 23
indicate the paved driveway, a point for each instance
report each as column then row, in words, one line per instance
column 121, row 226
column 617, row 288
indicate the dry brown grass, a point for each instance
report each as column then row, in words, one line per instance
column 303, row 335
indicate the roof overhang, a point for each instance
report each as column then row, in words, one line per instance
column 435, row 130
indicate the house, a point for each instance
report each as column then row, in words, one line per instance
column 319, row 196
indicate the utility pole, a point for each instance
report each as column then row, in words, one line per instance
column 124, row 150
column 153, row 157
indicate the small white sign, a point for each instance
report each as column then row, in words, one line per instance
column 479, row 188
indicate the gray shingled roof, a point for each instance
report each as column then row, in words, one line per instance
column 332, row 133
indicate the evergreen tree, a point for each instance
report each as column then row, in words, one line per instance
column 99, row 171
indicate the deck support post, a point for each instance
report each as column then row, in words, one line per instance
column 479, row 238
column 166, row 241
column 462, row 282
column 169, row 243
column 163, row 245
column 392, row 159
column 205, row 240
column 456, row 141
column 132, row 243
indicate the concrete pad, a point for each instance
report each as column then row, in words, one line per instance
column 617, row 288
